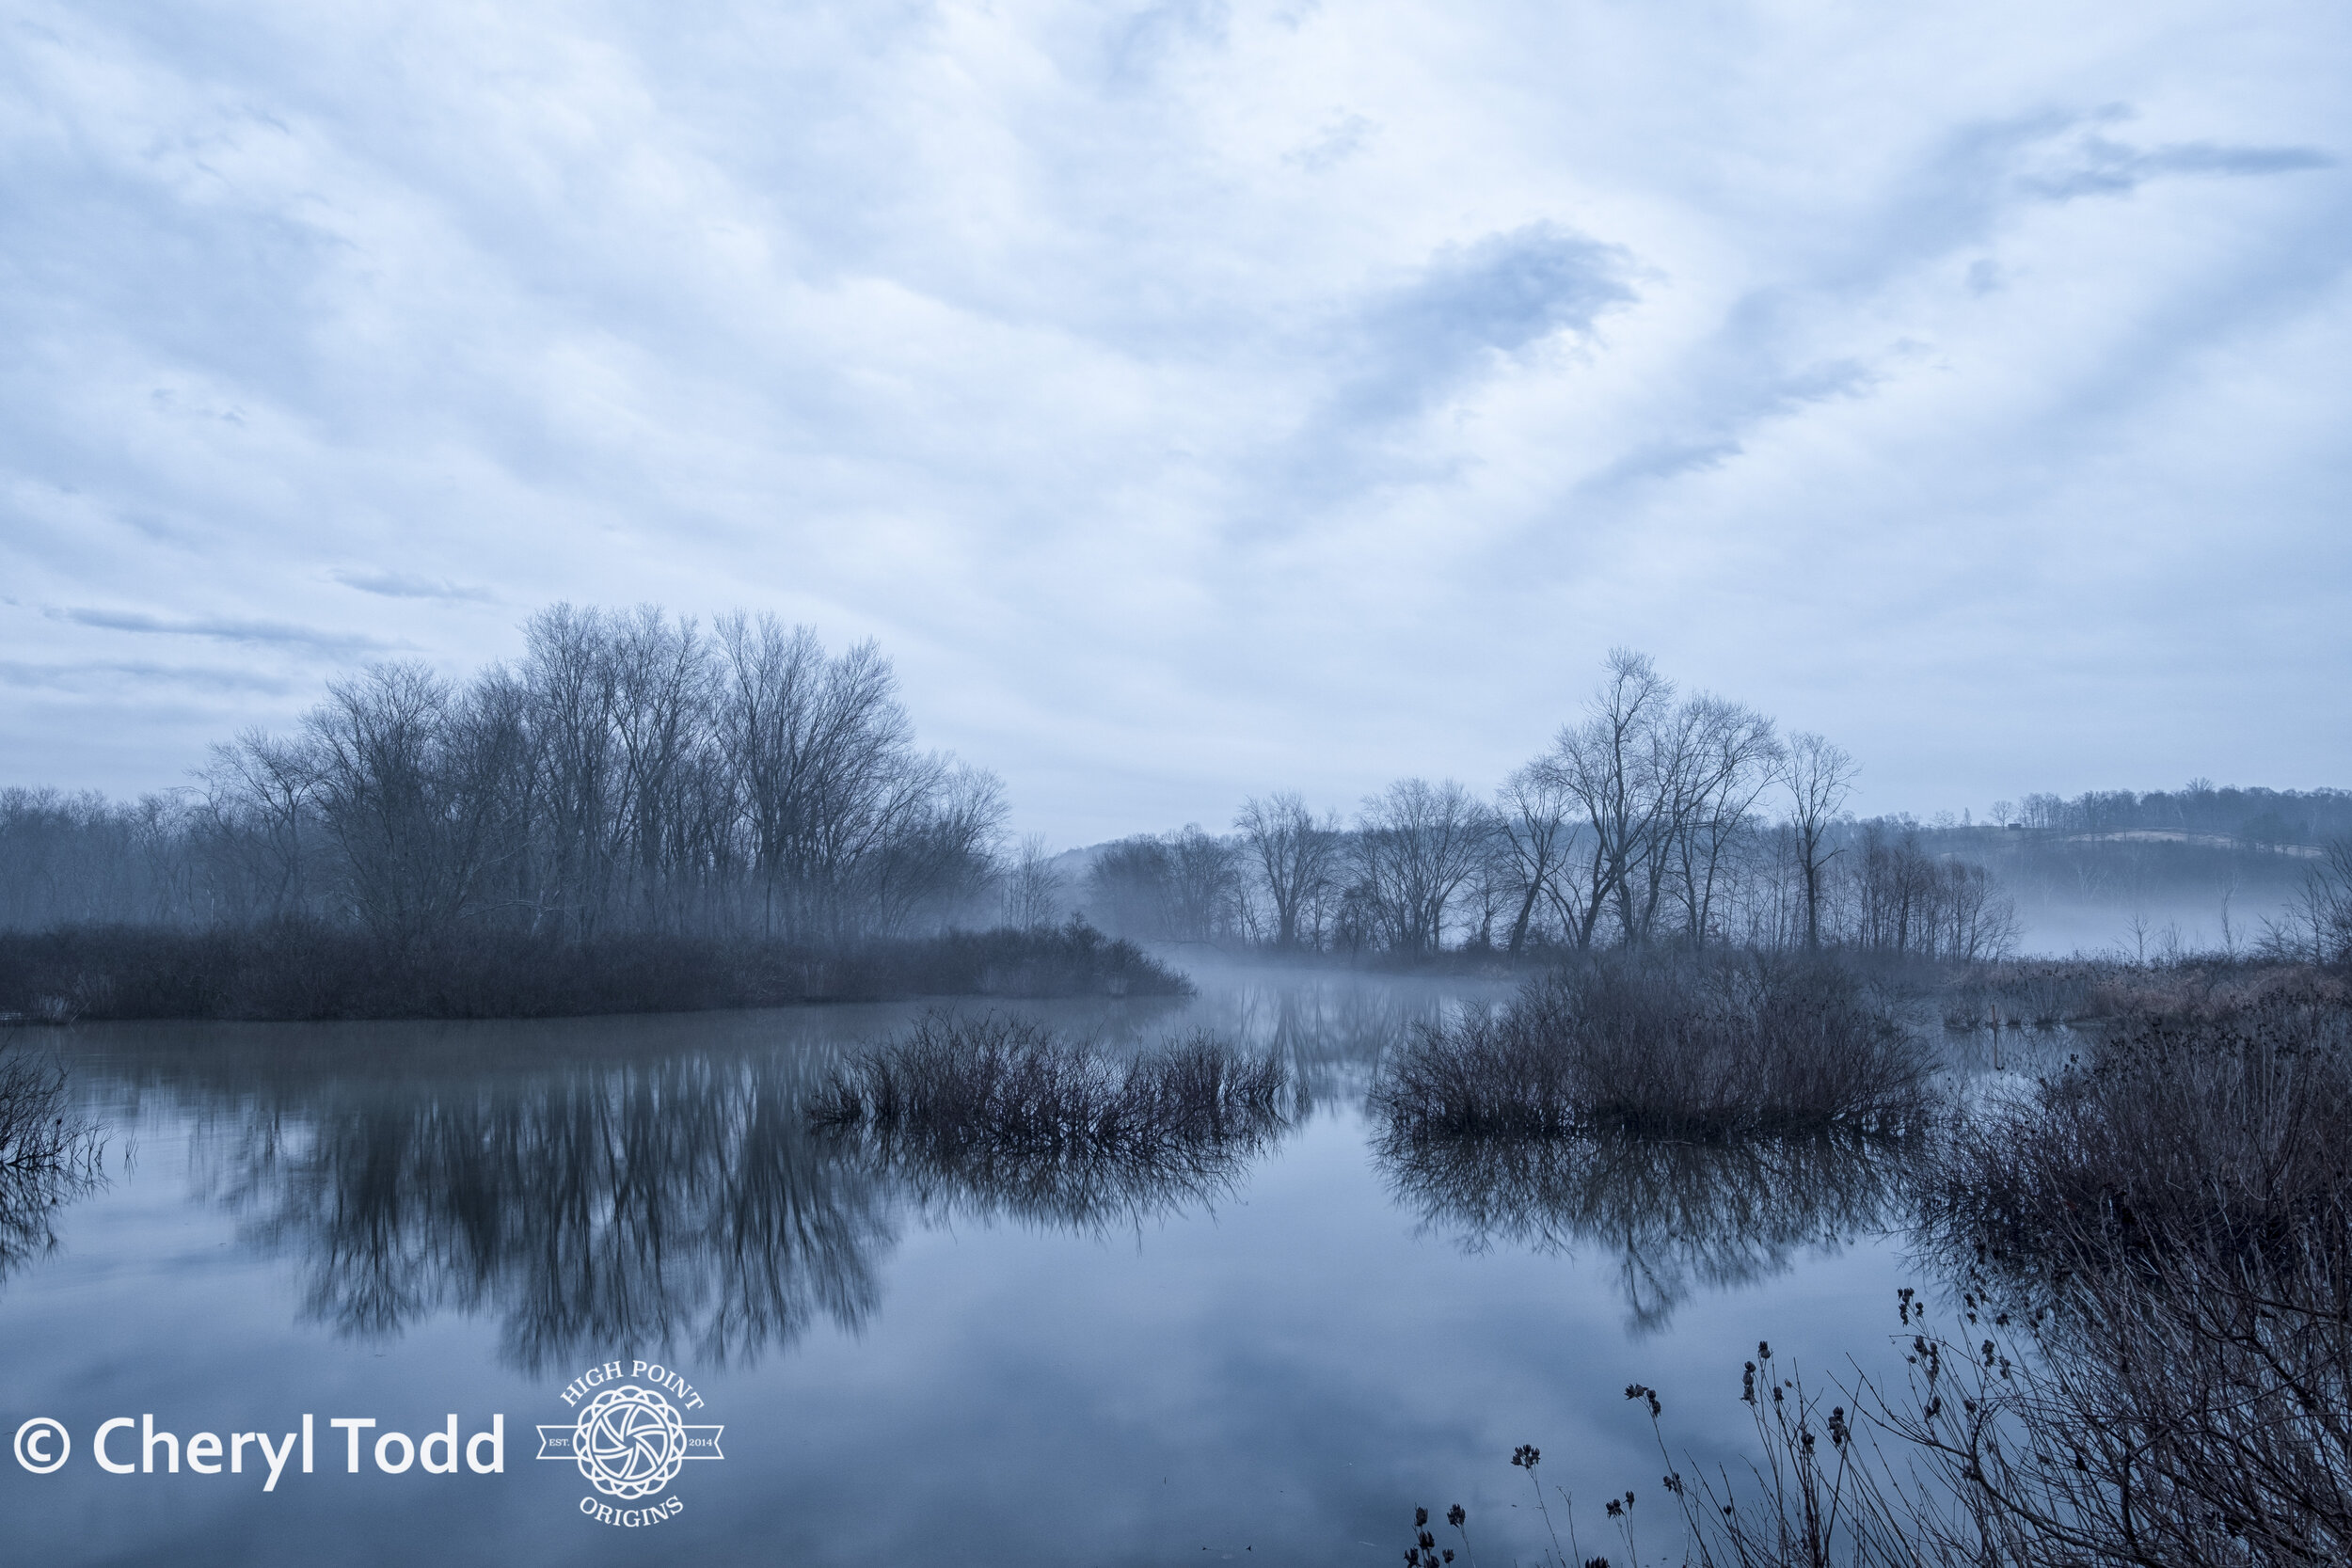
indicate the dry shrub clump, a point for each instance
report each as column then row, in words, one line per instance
column 2216, row 1120
column 2174, row 1220
column 2150, row 1359
column 995, row 1114
column 2019, row 993
column 1712, row 1045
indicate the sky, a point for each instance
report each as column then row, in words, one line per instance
column 1198, row 400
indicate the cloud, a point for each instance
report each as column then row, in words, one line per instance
column 117, row 673
column 2094, row 166
column 1473, row 306
column 1341, row 138
column 226, row 630
column 410, row 585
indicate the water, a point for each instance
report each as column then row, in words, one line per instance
column 1273, row 1362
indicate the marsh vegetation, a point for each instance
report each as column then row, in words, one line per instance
column 2145, row 1356
column 1012, row 1117
column 313, row 970
column 1705, row 1046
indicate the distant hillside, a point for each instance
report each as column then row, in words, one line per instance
column 2198, row 868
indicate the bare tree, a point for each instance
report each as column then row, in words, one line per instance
column 257, row 794
column 626, row 772
column 665, row 687
column 1033, row 889
column 1416, row 845
column 394, row 760
column 2317, row 924
column 1820, row 777
column 1296, row 857
column 1127, row 887
column 1718, row 761
column 1537, row 829
column 1203, row 885
column 823, row 758
column 1607, row 765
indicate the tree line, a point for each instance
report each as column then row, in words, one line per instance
column 2256, row 817
column 1654, row 818
column 634, row 772
column 630, row 772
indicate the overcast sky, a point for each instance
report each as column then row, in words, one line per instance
column 1201, row 399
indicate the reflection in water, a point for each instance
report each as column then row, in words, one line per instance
column 1000, row 1114
column 682, row 1203
column 30, row 1197
column 49, row 1154
column 655, row 1183
column 677, row 1204
column 1085, row 1191
column 1129, row 1160
column 1680, row 1216
column 1331, row 1030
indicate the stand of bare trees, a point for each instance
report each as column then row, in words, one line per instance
column 2317, row 924
column 634, row 773
column 1654, row 818
column 1184, row 886
column 1296, row 858
column 631, row 772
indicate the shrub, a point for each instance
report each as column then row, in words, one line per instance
column 1703, row 1046
column 998, row 1114
column 2174, row 1220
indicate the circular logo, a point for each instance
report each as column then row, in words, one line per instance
column 629, row 1442
column 32, row 1445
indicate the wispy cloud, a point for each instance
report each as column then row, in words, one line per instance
column 2093, row 165
column 123, row 673
column 225, row 629
column 1473, row 306
column 410, row 585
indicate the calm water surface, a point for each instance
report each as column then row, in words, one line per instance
column 1271, row 1360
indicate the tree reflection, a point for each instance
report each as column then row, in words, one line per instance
column 682, row 1204
column 50, row 1154
column 1680, row 1216
column 677, row 1204
column 1331, row 1030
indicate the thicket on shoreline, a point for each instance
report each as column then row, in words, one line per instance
column 2147, row 1356
column 1704, row 1045
column 313, row 970
column 2172, row 1217
column 1003, row 1115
